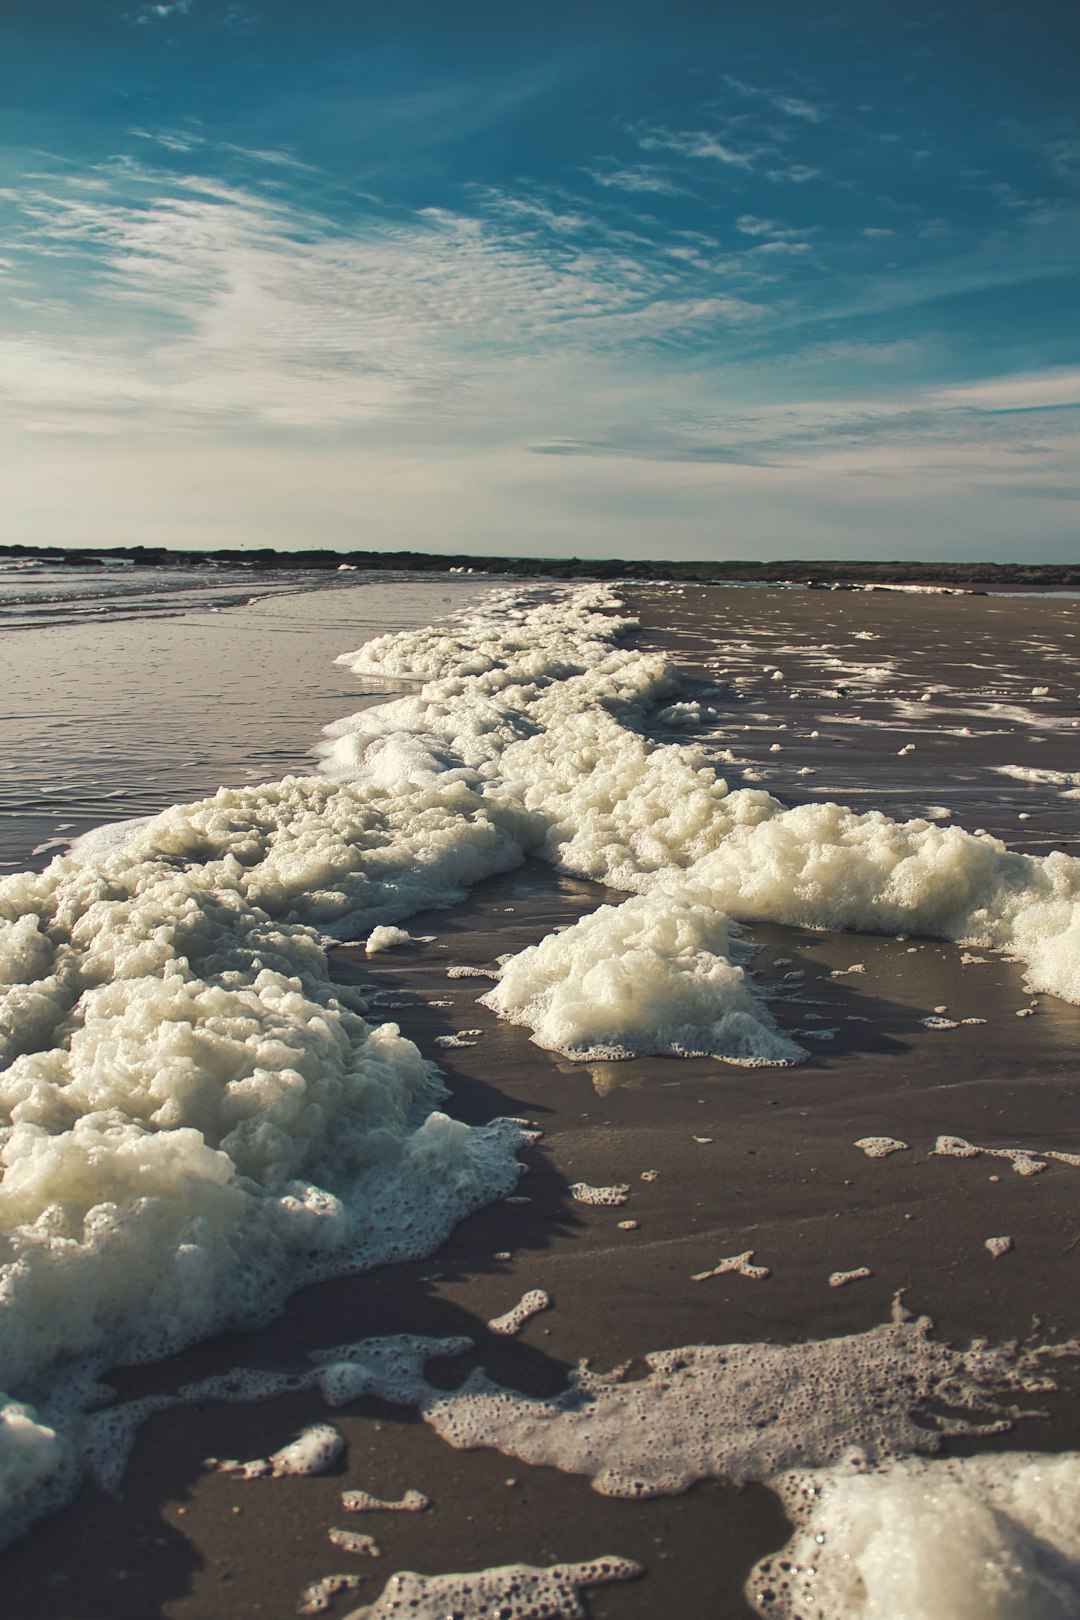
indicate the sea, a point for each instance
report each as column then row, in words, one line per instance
column 127, row 688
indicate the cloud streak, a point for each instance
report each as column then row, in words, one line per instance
column 216, row 301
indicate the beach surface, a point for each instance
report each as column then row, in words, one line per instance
column 959, row 709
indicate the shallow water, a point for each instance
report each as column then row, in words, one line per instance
column 125, row 691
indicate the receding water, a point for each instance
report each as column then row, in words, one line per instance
column 126, row 691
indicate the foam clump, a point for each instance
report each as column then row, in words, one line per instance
column 317, row 1598
column 386, row 938
column 513, row 1592
column 879, row 1147
column 529, row 1305
column 840, row 1279
column 654, row 974
column 355, row 1541
column 314, row 1451
column 364, row 1502
column 37, row 1465
column 974, row 1538
column 823, row 866
column 585, row 1193
column 741, row 1264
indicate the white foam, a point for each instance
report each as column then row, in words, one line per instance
column 314, row 1451
column 974, row 1538
column 879, row 1147
column 745, row 1411
column 528, row 1306
column 385, row 939
column 584, row 1193
column 317, row 1598
column 740, row 1264
column 355, row 1541
column 198, row 1120
column 512, row 1592
column 840, row 1279
column 1025, row 1161
column 654, row 974
column 364, row 1502
column 1067, row 780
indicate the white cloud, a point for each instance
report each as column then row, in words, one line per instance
column 1024, row 392
column 641, row 178
column 795, row 107
column 219, row 303
column 790, row 106
column 796, row 174
column 696, row 144
column 149, row 14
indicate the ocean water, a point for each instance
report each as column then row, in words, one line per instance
column 201, row 1118
column 127, row 689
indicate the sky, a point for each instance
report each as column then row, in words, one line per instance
column 739, row 279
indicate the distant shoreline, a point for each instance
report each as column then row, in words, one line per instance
column 965, row 576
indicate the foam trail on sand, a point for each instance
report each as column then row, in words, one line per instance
column 831, row 1425
column 744, row 1412
column 553, row 716
column 195, row 1119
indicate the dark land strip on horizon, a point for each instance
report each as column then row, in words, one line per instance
column 822, row 573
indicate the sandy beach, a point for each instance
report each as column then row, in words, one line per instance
column 962, row 709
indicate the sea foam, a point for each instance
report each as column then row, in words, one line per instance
column 197, row 1119
column 973, row 1538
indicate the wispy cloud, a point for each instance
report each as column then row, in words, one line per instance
column 790, row 106
column 215, row 301
column 640, row 178
column 752, row 225
column 1032, row 391
column 172, row 140
column 793, row 174
column 697, row 143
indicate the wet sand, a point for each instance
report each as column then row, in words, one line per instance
column 760, row 1159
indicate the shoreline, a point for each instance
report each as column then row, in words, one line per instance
column 760, row 1158
column 840, row 574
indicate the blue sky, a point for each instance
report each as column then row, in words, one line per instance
column 732, row 279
